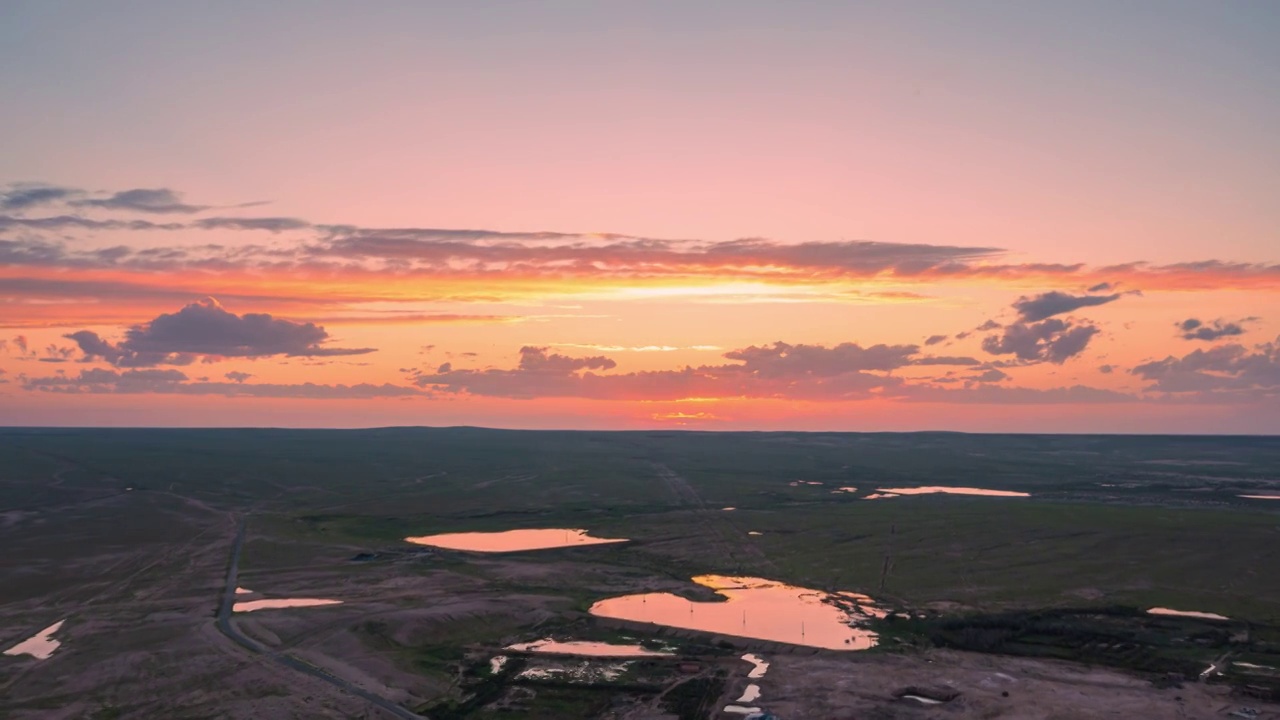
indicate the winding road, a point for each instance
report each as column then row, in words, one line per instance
column 226, row 627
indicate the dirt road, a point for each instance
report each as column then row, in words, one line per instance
column 228, row 628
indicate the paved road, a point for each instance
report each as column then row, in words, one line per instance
column 226, row 627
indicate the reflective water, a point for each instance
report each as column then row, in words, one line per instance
column 243, row 591
column 878, row 496
column 750, row 694
column 1187, row 613
column 512, row 540
column 952, row 491
column 277, row 603
column 755, row 608
column 740, row 710
column 729, row 508
column 496, row 662
column 586, row 648
column 919, row 699
column 39, row 646
column 845, row 490
column 1261, row 497
column 754, row 532
column 761, row 667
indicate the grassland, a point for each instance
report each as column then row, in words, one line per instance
column 109, row 518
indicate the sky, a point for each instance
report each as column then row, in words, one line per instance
column 982, row 216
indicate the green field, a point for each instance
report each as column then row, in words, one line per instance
column 1114, row 525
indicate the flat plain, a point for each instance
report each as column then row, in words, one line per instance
column 1016, row 607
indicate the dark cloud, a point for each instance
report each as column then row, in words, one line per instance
column 75, row 222
column 779, row 370
column 538, row 360
column 27, row 195
column 1193, row 329
column 988, row 326
column 174, row 382
column 1106, row 369
column 990, row 394
column 945, row 360
column 237, row 377
column 991, row 375
column 1051, row 340
column 270, row 224
column 1046, row 305
column 148, row 200
column 206, row 329
column 1101, row 287
column 934, row 339
column 1229, row 368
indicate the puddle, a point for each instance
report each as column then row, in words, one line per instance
column 277, row 603
column 951, row 491
column 512, row 540
column 750, row 694
column 740, row 710
column 586, row 648
column 761, row 667
column 496, row 663
column 585, row 671
column 39, row 646
column 1187, row 613
column 1251, row 666
column 754, row 532
column 878, row 496
column 1260, row 497
column 844, row 490
column 243, row 591
column 922, row 699
column 728, row 509
column 755, row 608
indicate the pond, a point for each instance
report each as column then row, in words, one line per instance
column 950, row 491
column 755, row 608
column 278, row 603
column 512, row 540
column 39, row 646
column 586, row 648
column 1187, row 613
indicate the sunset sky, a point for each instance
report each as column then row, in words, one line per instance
column 985, row 216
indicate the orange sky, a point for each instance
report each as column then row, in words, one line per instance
column 732, row 216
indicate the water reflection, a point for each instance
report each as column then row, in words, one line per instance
column 951, row 491
column 760, row 667
column 586, row 648
column 276, row 603
column 1261, row 497
column 39, row 646
column 512, row 540
column 1187, row 613
column 755, row 608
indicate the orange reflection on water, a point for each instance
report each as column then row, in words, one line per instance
column 952, row 491
column 512, row 540
column 755, row 608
